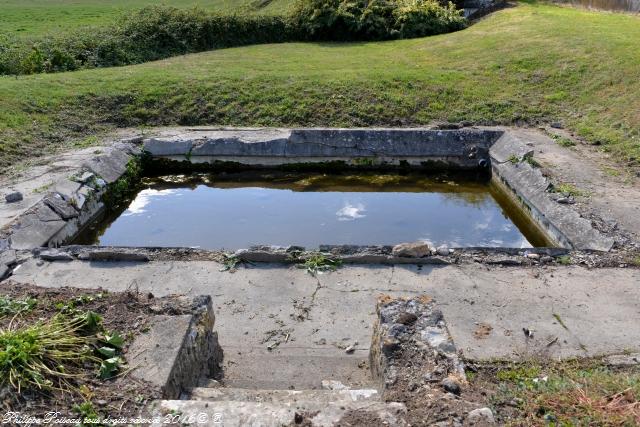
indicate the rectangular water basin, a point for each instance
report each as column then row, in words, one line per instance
column 238, row 210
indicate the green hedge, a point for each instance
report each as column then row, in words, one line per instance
column 161, row 32
column 375, row 19
column 149, row 34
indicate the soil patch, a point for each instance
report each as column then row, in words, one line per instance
column 419, row 385
column 127, row 313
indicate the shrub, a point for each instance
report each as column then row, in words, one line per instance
column 160, row 32
column 375, row 19
column 419, row 18
column 151, row 33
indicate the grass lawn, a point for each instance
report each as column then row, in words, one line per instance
column 531, row 64
column 35, row 17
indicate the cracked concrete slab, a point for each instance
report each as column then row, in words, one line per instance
column 52, row 174
column 590, row 312
column 36, row 227
column 572, row 311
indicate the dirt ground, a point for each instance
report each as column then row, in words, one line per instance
column 535, row 393
column 129, row 313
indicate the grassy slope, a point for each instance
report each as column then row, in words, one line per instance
column 524, row 65
column 34, row 17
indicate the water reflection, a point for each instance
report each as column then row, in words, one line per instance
column 350, row 212
column 237, row 211
column 138, row 205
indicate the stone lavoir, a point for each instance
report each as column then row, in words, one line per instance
column 348, row 182
column 198, row 212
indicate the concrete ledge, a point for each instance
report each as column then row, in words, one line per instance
column 72, row 202
column 530, row 187
column 463, row 149
column 178, row 351
column 347, row 254
column 265, row 414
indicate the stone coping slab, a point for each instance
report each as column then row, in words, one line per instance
column 461, row 149
column 512, row 167
column 63, row 198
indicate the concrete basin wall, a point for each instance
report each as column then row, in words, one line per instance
column 459, row 149
column 500, row 152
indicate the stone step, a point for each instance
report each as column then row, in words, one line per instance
column 260, row 414
column 291, row 370
column 299, row 397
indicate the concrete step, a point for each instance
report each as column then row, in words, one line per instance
column 260, row 414
column 299, row 397
column 291, row 369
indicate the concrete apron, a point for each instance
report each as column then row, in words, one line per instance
column 281, row 327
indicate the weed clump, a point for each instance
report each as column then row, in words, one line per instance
column 568, row 189
column 45, row 355
column 318, row 262
column 571, row 393
column 51, row 354
column 564, row 141
column 10, row 306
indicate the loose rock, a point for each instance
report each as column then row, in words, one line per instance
column 443, row 250
column 481, row 415
column 351, row 348
column 407, row 318
column 333, row 385
column 566, row 200
column 412, row 250
column 16, row 196
column 451, row 386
